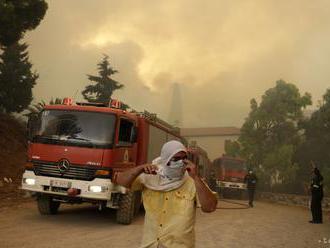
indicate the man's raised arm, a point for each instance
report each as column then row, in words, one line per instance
column 126, row 178
column 206, row 197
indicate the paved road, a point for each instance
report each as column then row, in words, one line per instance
column 266, row 225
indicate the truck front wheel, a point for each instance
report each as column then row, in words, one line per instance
column 47, row 205
column 125, row 212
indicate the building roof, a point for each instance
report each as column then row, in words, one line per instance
column 209, row 131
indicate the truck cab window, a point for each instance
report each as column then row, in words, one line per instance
column 125, row 132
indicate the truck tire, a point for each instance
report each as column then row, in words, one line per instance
column 125, row 212
column 241, row 195
column 47, row 206
column 225, row 193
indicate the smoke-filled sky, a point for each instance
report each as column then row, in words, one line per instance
column 217, row 54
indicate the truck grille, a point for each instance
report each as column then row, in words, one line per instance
column 74, row 172
column 234, row 179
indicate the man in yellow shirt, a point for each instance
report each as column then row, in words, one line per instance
column 170, row 189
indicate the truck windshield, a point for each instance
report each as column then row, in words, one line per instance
column 234, row 165
column 76, row 128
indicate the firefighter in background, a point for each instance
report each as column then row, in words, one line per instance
column 251, row 181
column 317, row 196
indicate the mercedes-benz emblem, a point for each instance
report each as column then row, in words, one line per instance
column 63, row 165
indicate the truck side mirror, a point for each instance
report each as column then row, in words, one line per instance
column 134, row 134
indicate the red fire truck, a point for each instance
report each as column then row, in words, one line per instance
column 75, row 150
column 230, row 173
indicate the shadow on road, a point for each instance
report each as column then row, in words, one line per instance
column 82, row 215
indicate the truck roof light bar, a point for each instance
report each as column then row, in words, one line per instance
column 95, row 104
column 113, row 103
column 67, row 101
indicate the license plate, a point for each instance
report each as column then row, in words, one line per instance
column 233, row 186
column 60, row 184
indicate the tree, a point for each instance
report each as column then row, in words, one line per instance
column 279, row 170
column 317, row 142
column 104, row 85
column 16, row 79
column 232, row 148
column 270, row 134
column 18, row 16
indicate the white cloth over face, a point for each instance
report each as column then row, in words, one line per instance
column 160, row 182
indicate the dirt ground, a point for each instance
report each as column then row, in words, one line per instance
column 266, row 225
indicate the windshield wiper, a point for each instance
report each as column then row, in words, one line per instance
column 78, row 138
column 50, row 137
column 59, row 139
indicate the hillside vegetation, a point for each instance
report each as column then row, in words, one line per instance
column 13, row 148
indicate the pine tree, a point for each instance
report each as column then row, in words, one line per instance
column 16, row 79
column 17, row 17
column 104, row 85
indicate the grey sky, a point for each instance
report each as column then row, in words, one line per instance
column 222, row 53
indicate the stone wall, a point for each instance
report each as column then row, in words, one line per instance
column 291, row 199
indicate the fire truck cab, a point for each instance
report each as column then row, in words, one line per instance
column 230, row 173
column 75, row 150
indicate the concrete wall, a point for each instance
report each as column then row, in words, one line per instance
column 291, row 199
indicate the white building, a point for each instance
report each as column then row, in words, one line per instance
column 211, row 139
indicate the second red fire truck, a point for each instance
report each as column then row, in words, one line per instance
column 230, row 173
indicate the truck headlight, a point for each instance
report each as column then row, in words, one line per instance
column 29, row 181
column 97, row 189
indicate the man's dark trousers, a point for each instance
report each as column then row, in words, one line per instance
column 251, row 196
column 316, row 208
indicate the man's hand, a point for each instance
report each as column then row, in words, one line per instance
column 149, row 169
column 191, row 168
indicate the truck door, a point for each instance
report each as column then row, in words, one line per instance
column 125, row 151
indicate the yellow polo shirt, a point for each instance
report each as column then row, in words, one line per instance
column 169, row 216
